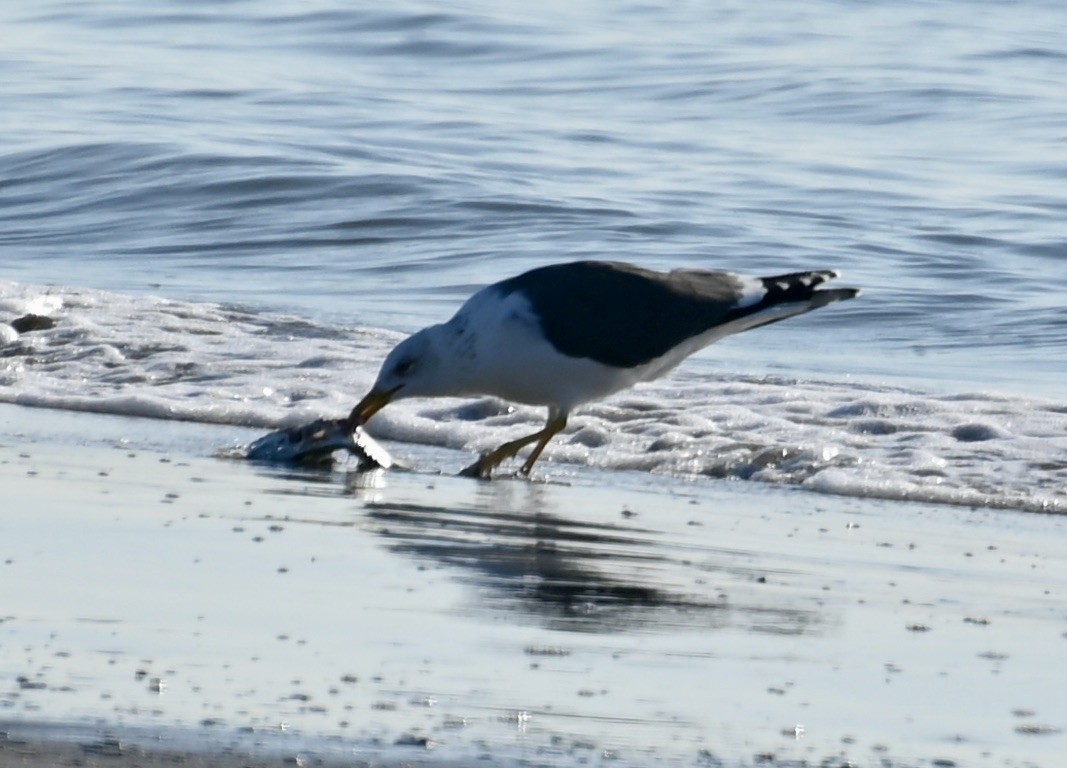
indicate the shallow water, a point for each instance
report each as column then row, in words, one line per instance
column 128, row 355
column 307, row 181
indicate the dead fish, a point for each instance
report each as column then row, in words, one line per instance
column 314, row 443
column 370, row 453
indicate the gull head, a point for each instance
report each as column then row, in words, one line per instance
column 417, row 367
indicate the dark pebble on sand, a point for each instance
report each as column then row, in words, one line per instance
column 32, row 322
column 107, row 747
column 546, row 650
column 410, row 740
column 1034, row 729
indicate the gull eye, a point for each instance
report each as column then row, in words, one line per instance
column 404, row 367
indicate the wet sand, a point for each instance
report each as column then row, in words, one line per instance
column 159, row 604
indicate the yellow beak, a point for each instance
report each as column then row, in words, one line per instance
column 374, row 401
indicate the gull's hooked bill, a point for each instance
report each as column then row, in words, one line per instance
column 314, row 443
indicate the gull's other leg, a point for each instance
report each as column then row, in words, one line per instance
column 485, row 465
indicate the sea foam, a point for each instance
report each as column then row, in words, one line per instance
column 160, row 358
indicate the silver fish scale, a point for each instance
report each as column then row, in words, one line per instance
column 315, row 442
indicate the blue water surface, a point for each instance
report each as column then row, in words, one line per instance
column 372, row 166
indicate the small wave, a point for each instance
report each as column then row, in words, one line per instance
column 159, row 358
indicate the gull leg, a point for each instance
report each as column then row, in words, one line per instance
column 485, row 465
column 554, row 425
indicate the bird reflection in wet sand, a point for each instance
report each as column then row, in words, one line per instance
column 582, row 576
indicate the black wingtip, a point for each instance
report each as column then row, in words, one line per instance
column 831, row 295
column 802, row 286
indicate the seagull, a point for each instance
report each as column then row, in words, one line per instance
column 567, row 334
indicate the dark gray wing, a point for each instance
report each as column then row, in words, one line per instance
column 622, row 315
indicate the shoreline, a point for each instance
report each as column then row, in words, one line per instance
column 593, row 616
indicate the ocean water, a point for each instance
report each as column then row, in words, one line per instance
column 232, row 210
